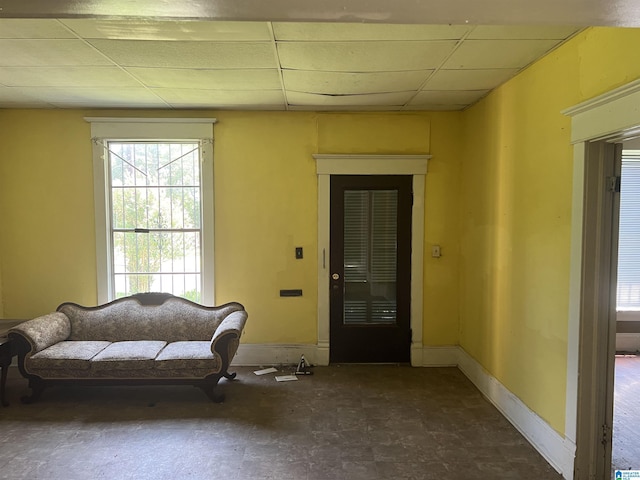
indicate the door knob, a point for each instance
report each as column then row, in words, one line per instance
column 335, row 276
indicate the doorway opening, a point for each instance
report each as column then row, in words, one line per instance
column 598, row 128
column 626, row 405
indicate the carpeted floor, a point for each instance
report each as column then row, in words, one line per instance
column 346, row 422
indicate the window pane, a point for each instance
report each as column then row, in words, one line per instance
column 156, row 217
column 370, row 256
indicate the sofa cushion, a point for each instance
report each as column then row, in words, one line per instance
column 68, row 355
column 187, row 355
column 128, row 355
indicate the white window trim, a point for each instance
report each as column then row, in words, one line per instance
column 103, row 128
column 336, row 164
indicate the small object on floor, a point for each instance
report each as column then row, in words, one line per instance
column 264, row 371
column 303, row 367
column 286, row 378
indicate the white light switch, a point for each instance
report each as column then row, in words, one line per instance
column 435, row 251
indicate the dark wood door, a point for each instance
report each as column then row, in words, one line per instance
column 370, row 278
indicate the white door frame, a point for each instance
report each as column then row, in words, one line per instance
column 332, row 164
column 609, row 118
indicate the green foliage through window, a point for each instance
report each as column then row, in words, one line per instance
column 156, row 217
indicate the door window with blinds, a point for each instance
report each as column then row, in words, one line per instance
column 370, row 256
column 155, row 209
column 628, row 294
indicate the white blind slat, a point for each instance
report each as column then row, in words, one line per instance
column 628, row 293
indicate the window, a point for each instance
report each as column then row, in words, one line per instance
column 370, row 256
column 155, row 217
column 628, row 295
column 154, row 207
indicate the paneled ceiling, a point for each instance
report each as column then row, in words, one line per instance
column 354, row 55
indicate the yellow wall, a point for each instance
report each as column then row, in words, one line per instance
column 516, row 215
column 46, row 208
column 265, row 206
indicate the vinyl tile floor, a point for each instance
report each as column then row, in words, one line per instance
column 344, row 422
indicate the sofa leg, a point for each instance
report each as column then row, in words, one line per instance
column 211, row 393
column 229, row 376
column 36, row 390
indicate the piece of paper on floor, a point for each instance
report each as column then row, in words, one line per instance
column 286, row 378
column 264, row 371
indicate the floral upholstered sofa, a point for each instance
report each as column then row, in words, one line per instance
column 148, row 338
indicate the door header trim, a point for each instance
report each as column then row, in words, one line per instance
column 348, row 164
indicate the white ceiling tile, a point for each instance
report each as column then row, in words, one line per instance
column 32, row 28
column 19, row 52
column 442, row 97
column 200, row 64
column 142, row 53
column 220, row 97
column 363, row 56
column 98, row 96
column 483, row 79
column 365, row 31
column 256, row 79
column 66, row 77
column 483, row 54
column 148, row 29
column 353, row 83
column 521, row 32
column 301, row 98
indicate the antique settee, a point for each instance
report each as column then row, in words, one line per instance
column 148, row 338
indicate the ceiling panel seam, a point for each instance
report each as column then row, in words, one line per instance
column 426, row 81
column 277, row 55
column 116, row 64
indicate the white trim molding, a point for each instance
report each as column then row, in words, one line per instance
column 133, row 128
column 332, row 164
column 252, row 354
column 613, row 114
column 336, row 164
column 441, row 356
column 556, row 449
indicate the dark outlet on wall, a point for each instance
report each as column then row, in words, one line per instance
column 298, row 252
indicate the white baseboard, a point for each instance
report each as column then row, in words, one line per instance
column 557, row 450
column 252, row 355
column 446, row 356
